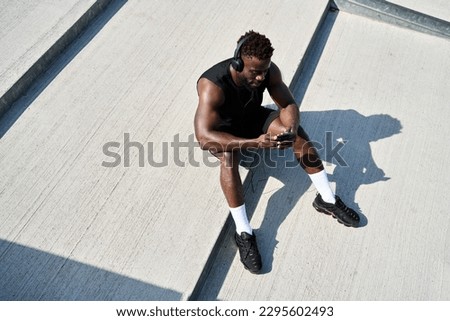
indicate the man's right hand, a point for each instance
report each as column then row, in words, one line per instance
column 267, row 141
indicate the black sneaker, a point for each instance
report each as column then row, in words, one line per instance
column 339, row 211
column 248, row 250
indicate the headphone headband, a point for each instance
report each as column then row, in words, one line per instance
column 237, row 62
column 237, row 52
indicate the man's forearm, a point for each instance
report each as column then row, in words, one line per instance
column 217, row 141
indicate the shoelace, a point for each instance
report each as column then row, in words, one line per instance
column 247, row 245
column 347, row 210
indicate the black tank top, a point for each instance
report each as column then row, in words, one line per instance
column 241, row 103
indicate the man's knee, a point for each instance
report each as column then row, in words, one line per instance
column 228, row 160
column 310, row 160
column 305, row 151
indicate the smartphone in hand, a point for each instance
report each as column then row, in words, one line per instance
column 287, row 136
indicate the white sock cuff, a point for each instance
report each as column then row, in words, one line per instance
column 321, row 183
column 240, row 218
column 238, row 209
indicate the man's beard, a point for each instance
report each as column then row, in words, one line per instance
column 247, row 84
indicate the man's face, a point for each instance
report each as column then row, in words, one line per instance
column 254, row 72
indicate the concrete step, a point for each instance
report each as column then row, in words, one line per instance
column 435, row 8
column 33, row 33
column 76, row 227
column 380, row 93
column 430, row 17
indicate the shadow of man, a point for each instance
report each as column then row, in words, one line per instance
column 343, row 139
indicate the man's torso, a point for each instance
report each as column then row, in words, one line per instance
column 241, row 104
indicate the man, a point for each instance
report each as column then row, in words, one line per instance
column 230, row 118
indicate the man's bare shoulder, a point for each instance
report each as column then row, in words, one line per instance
column 210, row 93
column 275, row 73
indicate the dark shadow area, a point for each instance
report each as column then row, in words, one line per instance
column 46, row 76
column 28, row 274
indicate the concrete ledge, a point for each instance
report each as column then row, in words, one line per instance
column 20, row 86
column 80, row 221
column 435, row 8
column 394, row 14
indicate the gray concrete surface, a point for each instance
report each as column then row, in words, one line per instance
column 383, row 91
column 408, row 16
column 73, row 229
column 436, row 8
column 33, row 34
column 76, row 230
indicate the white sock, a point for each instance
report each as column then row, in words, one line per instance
column 240, row 218
column 320, row 181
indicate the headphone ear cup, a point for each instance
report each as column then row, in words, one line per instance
column 237, row 64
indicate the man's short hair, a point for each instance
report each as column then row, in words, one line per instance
column 256, row 45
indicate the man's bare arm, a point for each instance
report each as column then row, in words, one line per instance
column 282, row 96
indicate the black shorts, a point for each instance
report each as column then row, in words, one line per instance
column 254, row 124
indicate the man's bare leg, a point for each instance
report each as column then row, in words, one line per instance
column 231, row 183
column 325, row 202
column 308, row 158
column 230, row 180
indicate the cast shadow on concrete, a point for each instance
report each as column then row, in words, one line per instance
column 28, row 274
column 45, row 78
column 343, row 139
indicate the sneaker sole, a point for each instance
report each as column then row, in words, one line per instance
column 253, row 272
column 324, row 211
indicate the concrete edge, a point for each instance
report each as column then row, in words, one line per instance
column 397, row 15
column 247, row 183
column 42, row 64
column 311, row 49
column 310, row 60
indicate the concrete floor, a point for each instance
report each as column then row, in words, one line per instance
column 381, row 90
column 76, row 227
